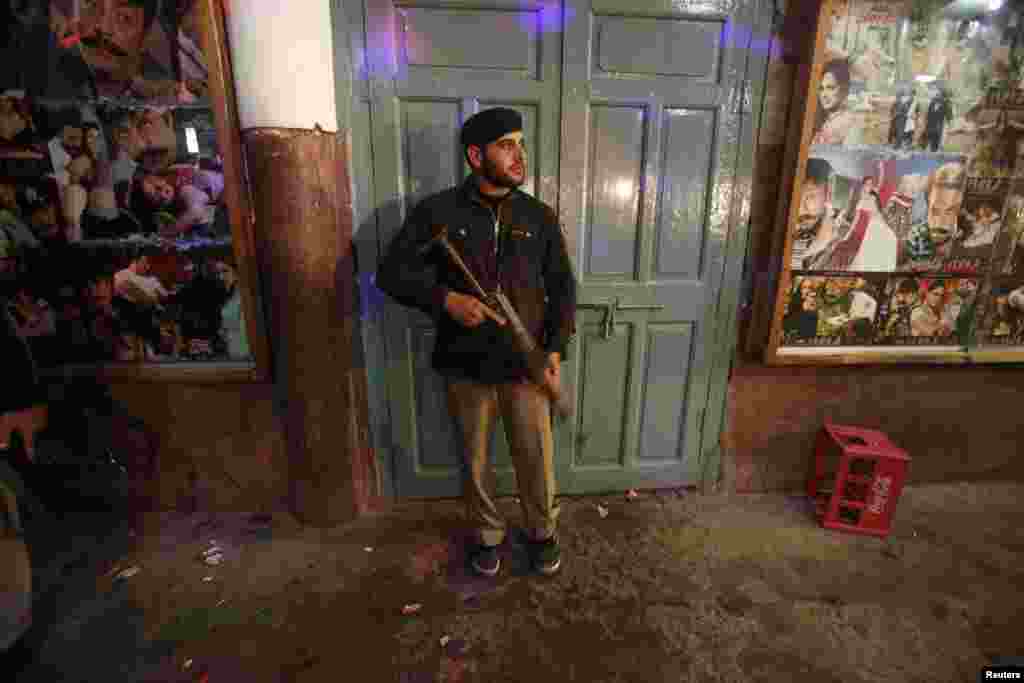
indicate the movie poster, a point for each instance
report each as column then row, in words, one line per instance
column 958, row 45
column 832, row 310
column 913, row 190
column 877, row 211
column 1002, row 320
column 138, row 50
column 1008, row 252
column 980, row 226
column 115, row 244
column 923, row 311
column 874, row 43
column 836, row 31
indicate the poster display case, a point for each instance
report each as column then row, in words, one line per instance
column 125, row 237
column 904, row 236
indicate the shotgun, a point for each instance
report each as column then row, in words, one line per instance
column 536, row 357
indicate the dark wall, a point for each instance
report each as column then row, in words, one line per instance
column 220, row 446
column 957, row 423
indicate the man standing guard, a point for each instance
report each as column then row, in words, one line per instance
column 506, row 238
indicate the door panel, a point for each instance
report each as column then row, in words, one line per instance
column 471, row 39
column 649, row 151
column 686, row 162
column 603, row 396
column 430, row 160
column 617, row 151
column 435, row 432
column 655, row 46
column 430, row 66
column 665, row 381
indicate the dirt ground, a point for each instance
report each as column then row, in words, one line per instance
column 673, row 586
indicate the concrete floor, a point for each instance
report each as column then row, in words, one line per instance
column 668, row 587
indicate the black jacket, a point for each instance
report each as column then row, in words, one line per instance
column 530, row 260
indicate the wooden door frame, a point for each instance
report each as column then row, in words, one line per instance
column 353, row 96
column 725, row 334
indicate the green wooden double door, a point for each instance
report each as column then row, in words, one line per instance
column 638, row 121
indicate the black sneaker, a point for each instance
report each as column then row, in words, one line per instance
column 486, row 561
column 547, row 558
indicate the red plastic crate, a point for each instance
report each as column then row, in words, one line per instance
column 856, row 479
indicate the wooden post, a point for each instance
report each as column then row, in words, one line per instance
column 303, row 226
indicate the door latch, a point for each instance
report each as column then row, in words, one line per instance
column 612, row 307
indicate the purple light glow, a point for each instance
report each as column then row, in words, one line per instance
column 547, row 19
column 379, row 57
column 373, row 299
column 741, row 36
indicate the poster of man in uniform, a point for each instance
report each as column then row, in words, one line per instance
column 1002, row 322
column 112, row 214
column 832, row 311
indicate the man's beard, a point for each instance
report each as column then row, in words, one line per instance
column 109, row 63
column 102, row 53
column 495, row 177
column 808, row 227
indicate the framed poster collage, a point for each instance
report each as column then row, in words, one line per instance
column 120, row 191
column 905, row 232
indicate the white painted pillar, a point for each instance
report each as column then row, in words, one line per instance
column 282, row 53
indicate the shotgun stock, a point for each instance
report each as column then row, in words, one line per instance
column 536, row 357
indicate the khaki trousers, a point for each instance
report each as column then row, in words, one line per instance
column 526, row 413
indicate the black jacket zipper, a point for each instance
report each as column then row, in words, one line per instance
column 498, row 252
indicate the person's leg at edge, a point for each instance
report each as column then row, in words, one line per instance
column 526, row 411
column 474, row 407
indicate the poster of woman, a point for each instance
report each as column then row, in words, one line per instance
column 834, row 122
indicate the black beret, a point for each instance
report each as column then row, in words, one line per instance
column 489, row 125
